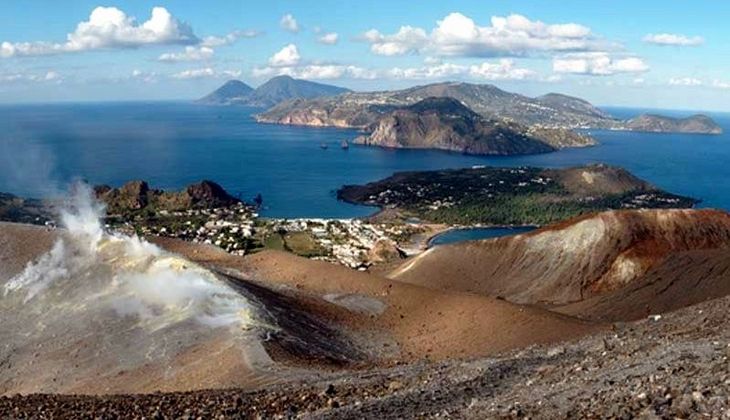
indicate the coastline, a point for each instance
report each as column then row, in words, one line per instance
column 429, row 242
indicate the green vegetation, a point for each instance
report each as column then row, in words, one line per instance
column 299, row 243
column 504, row 196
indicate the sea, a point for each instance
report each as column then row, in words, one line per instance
column 297, row 170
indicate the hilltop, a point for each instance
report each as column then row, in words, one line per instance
column 446, row 124
column 232, row 91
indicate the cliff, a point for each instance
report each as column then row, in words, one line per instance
column 446, row 124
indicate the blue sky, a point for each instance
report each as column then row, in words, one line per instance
column 638, row 53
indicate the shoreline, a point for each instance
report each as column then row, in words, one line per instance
column 476, row 227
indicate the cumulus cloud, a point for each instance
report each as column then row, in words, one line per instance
column 330, row 38
column 598, row 64
column 407, row 40
column 228, row 39
column 191, row 53
column 503, row 70
column 676, row 40
column 720, row 84
column 206, row 73
column 459, row 35
column 109, row 27
column 289, row 23
column 286, row 57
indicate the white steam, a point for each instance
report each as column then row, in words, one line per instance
column 93, row 268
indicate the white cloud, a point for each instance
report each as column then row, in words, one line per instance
column 49, row 76
column 685, row 81
column 330, row 38
column 109, row 27
column 317, row 72
column 598, row 64
column 286, row 57
column 289, row 23
column 206, row 73
column 459, row 35
column 503, row 69
column 228, row 39
column 407, row 39
column 428, row 72
column 720, row 84
column 677, row 40
column 147, row 77
column 190, row 53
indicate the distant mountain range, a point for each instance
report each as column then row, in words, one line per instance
column 446, row 124
column 551, row 111
column 276, row 90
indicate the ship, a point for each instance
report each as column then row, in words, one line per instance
column 345, row 145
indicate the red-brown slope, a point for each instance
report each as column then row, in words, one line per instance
column 573, row 260
column 682, row 279
column 423, row 322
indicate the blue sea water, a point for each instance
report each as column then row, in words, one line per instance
column 169, row 144
column 470, row 234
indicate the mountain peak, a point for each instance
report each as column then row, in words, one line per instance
column 443, row 105
column 230, row 91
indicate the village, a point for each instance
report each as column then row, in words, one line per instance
column 240, row 230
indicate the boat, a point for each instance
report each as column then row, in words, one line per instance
column 323, row 145
column 345, row 145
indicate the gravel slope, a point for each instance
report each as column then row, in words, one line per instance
column 675, row 366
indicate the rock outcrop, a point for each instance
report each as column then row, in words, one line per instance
column 137, row 195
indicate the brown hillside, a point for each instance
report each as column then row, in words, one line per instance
column 570, row 261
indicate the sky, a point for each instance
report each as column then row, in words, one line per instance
column 653, row 54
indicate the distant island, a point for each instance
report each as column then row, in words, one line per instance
column 551, row 111
column 697, row 124
column 275, row 91
column 510, row 196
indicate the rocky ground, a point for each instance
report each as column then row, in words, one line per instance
column 671, row 366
